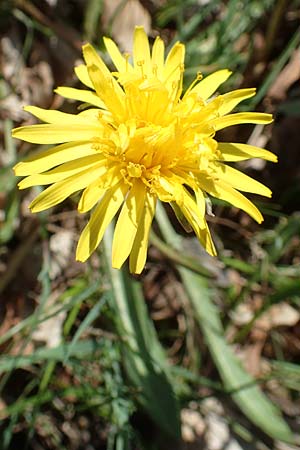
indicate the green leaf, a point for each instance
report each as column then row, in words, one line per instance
column 144, row 359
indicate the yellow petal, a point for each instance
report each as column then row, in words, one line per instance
column 224, row 191
column 121, row 63
column 127, row 224
column 240, row 118
column 194, row 216
column 239, row 152
column 83, row 75
column 92, row 115
column 190, row 209
column 58, row 117
column 141, row 52
column 107, row 93
column 208, row 86
column 206, row 115
column 59, row 191
column 61, row 172
column 176, row 192
column 240, row 181
column 46, row 159
column 54, row 134
column 93, row 59
column 93, row 193
column 200, row 200
column 233, row 98
column 138, row 253
column 100, row 219
column 81, row 95
column 158, row 55
column 174, row 66
column 168, row 191
column 90, row 196
column 205, row 238
column 180, row 217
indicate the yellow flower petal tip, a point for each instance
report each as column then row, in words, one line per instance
column 141, row 140
column 14, row 132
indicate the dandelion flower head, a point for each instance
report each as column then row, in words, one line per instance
column 140, row 139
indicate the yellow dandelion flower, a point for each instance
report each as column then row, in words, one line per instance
column 140, row 140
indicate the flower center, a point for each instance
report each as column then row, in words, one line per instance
column 135, row 170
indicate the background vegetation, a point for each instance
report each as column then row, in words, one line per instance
column 197, row 353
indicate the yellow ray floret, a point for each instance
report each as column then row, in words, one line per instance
column 141, row 140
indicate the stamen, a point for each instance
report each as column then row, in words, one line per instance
column 141, row 64
column 192, row 85
column 127, row 56
column 135, row 170
column 147, row 182
column 199, row 76
column 176, row 86
column 124, row 174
